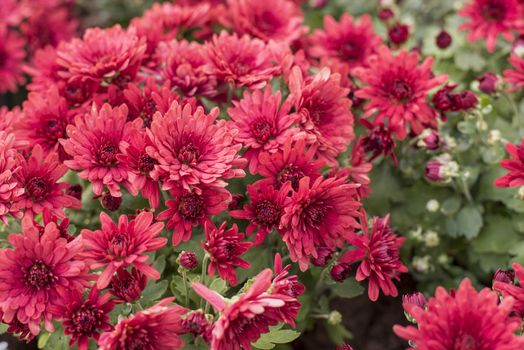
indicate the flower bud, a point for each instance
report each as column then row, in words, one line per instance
column 488, row 83
column 236, row 202
column 398, row 34
column 340, row 272
column 196, row 323
column 441, row 169
column 385, row 14
column 128, row 286
column 318, row 4
column 188, row 260
column 505, row 276
column 416, row 298
column 111, row 203
column 324, row 254
column 75, row 191
column 429, row 139
column 443, row 40
column 463, row 101
column 432, row 205
column 431, row 239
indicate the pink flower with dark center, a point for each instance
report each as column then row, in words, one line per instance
column 192, row 208
column 127, row 286
column 84, row 319
column 349, row 41
column 397, row 89
column 265, row 210
column 463, row 320
column 360, row 168
column 225, row 246
column 196, row 323
column 515, row 166
column 193, row 148
column 38, row 176
column 241, row 61
column 325, row 112
column 93, row 145
column 120, row 245
column 515, row 76
column 263, row 123
column 11, row 59
column 156, row 328
column 10, row 191
column 510, row 290
column 379, row 252
column 490, row 18
column 321, row 214
column 379, row 142
column 37, row 272
column 276, row 20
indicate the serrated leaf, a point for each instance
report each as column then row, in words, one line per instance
column 276, row 336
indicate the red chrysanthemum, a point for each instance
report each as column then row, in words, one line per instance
column 397, row 88
column 285, row 284
column 515, row 76
column 265, row 210
column 241, row 61
column 127, row 286
column 38, row 176
column 325, row 112
column 93, row 145
column 84, row 319
column 515, row 166
column 379, row 252
column 39, row 270
column 156, row 328
column 490, row 18
column 9, row 188
column 508, row 289
column 276, row 20
column 350, row 42
column 225, row 246
column 190, row 208
column 263, row 123
column 321, row 214
column 11, row 59
column 463, row 320
column 193, row 148
column 124, row 244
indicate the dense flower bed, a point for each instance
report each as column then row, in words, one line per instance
column 212, row 174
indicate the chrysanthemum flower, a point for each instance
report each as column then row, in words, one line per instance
column 321, row 214
column 464, row 320
column 397, row 88
column 490, row 18
column 379, row 252
column 263, row 123
column 508, row 289
column 120, row 245
column 38, row 176
column 276, row 20
column 127, row 286
column 325, row 111
column 515, row 76
column 84, row 319
column 156, row 328
column 285, row 284
column 196, row 323
column 351, row 42
column 193, row 148
column 225, row 246
column 515, row 166
column 9, row 188
column 102, row 55
column 265, row 210
column 93, row 145
column 241, row 61
column 37, row 272
column 190, row 208
column 11, row 59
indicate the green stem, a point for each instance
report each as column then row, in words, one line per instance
column 516, row 114
column 466, row 191
column 320, row 282
column 203, row 276
column 186, row 289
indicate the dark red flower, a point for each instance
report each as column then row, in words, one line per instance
column 443, row 40
column 188, row 260
column 196, row 323
column 339, row 272
column 398, row 34
column 489, row 83
column 127, row 286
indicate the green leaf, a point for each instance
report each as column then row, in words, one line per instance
column 469, row 222
column 276, row 335
column 219, row 286
column 42, row 340
column 497, row 236
column 451, row 205
column 350, row 288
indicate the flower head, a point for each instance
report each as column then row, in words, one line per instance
column 10, row 191
column 515, row 166
column 11, row 59
column 510, row 290
column 515, row 76
column 127, row 286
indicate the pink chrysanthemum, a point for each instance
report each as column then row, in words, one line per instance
column 93, row 145
column 225, row 246
column 120, row 245
column 184, row 65
column 325, row 112
column 84, row 319
column 515, row 166
column 127, row 286
column 190, row 208
column 102, row 55
column 43, row 70
column 265, row 210
column 350, row 42
column 276, row 20
column 515, row 76
column 11, row 59
column 379, row 252
column 321, row 214
column 464, row 320
column 10, row 191
column 241, row 61
column 263, row 123
column 508, row 289
column 285, row 284
column 242, row 321
column 37, row 272
column 156, row 328
column 38, row 176
column 490, row 18
column 397, row 88
column 193, row 148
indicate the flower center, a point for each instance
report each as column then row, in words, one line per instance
column 3, row 58
column 106, row 154
column 37, row 188
column 227, row 249
column 146, row 163
column 350, row 51
column 139, row 340
column 494, row 10
column 148, row 111
column 291, row 173
column 189, row 154
column 466, row 342
column 261, row 130
column 39, row 276
column 85, row 320
column 400, row 90
column 267, row 213
column 267, row 22
column 191, row 206
column 315, row 214
column 119, row 244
